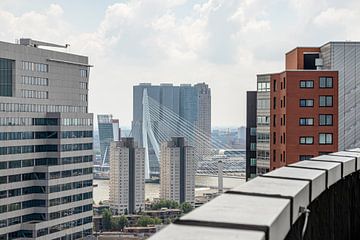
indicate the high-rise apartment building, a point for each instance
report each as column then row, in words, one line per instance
column 46, row 152
column 190, row 103
column 304, row 111
column 302, row 117
column 127, row 176
column 177, row 171
column 251, row 134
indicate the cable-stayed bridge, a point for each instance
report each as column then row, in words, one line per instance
column 160, row 123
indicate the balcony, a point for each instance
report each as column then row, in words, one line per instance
column 310, row 200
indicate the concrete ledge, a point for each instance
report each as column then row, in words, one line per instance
column 267, row 206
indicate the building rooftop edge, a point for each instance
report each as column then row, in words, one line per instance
column 43, row 49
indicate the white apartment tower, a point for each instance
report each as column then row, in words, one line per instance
column 177, row 171
column 46, row 135
column 203, row 122
column 127, row 177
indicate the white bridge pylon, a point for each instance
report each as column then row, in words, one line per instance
column 148, row 132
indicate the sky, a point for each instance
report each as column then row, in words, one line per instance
column 224, row 43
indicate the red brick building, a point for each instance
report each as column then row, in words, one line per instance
column 303, row 109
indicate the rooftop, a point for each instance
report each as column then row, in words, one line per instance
column 303, row 200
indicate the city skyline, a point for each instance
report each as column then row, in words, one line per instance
column 179, row 42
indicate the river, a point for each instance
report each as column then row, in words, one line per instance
column 205, row 184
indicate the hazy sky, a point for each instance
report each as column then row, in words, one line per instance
column 224, row 43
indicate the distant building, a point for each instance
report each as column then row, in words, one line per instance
column 127, row 176
column 191, row 103
column 251, row 134
column 177, row 171
column 108, row 131
column 46, row 149
column 105, row 136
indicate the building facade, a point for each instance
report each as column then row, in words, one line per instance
column 177, row 171
column 190, row 103
column 263, row 124
column 304, row 112
column 46, row 151
column 127, row 177
column 251, row 134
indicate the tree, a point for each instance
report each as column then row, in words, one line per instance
column 163, row 203
column 157, row 221
column 100, row 203
column 106, row 214
column 144, row 221
column 118, row 223
column 186, row 207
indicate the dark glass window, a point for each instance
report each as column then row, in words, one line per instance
column 6, row 77
column 45, row 121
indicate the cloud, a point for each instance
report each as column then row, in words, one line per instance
column 222, row 42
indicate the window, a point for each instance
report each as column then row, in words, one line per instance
column 274, row 155
column 326, row 101
column 263, row 121
column 253, row 162
column 274, row 103
column 263, row 137
column 263, row 86
column 30, row 80
column 305, row 157
column 274, row 137
column 263, row 104
column 325, row 119
column 83, row 85
column 274, row 120
column 252, row 146
column 326, row 82
column 35, row 67
column 307, row 140
column 252, row 131
column 83, row 73
column 274, row 85
column 325, row 138
column 6, row 77
column 306, row 121
column 306, row 102
column 306, row 84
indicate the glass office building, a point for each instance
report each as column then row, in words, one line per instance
column 46, row 152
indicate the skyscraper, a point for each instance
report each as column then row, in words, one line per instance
column 177, row 171
column 191, row 103
column 127, row 176
column 106, row 135
column 45, row 143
